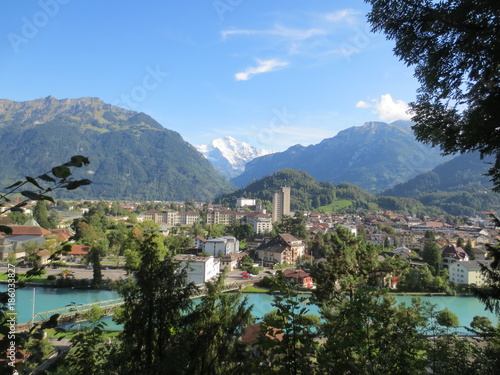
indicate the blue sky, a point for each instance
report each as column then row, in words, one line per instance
column 270, row 73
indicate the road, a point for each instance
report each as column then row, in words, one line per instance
column 82, row 273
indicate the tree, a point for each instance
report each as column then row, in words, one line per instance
column 453, row 45
column 215, row 230
column 469, row 249
column 296, row 226
column 97, row 251
column 432, row 255
column 177, row 243
column 241, row 230
column 18, row 217
column 430, row 235
column 156, row 302
column 372, row 334
column 213, row 343
column 295, row 352
column 447, row 318
column 58, row 177
column 41, row 216
column 31, row 249
column 350, row 263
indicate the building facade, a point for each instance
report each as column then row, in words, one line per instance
column 281, row 203
column 282, row 249
column 467, row 272
column 226, row 245
column 261, row 223
column 200, row 269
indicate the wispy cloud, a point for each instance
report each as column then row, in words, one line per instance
column 324, row 35
column 278, row 30
column 265, row 66
column 348, row 16
column 387, row 108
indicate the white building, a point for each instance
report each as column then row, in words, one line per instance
column 245, row 202
column 226, row 244
column 260, row 222
column 200, row 269
column 467, row 272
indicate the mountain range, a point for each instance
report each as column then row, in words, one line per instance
column 374, row 156
column 229, row 156
column 132, row 156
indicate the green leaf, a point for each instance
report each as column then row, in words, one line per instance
column 76, row 184
column 14, row 184
column 61, row 171
column 47, row 178
column 30, row 195
column 33, row 181
column 5, row 229
column 46, row 198
column 78, row 161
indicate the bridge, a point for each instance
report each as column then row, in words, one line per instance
column 71, row 311
column 108, row 307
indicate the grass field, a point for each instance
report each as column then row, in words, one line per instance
column 335, row 206
column 23, row 277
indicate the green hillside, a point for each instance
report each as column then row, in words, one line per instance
column 308, row 194
column 132, row 156
column 458, row 186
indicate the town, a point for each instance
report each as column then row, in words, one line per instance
column 213, row 238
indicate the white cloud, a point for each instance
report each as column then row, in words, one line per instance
column 342, row 15
column 285, row 32
column 363, row 104
column 265, row 66
column 387, row 108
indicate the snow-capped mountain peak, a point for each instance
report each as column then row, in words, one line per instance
column 229, row 156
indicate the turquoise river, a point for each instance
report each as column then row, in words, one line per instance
column 52, row 298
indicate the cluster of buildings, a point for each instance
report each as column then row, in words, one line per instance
column 260, row 221
column 403, row 236
column 27, row 235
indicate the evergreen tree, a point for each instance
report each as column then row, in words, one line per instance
column 41, row 216
column 212, row 341
column 157, row 300
column 469, row 249
column 287, row 342
column 432, row 255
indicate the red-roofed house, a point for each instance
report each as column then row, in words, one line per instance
column 300, row 277
column 251, row 333
column 79, row 251
column 28, row 230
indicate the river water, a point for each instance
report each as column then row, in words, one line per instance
column 52, row 298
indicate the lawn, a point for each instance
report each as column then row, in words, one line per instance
column 335, row 206
column 252, row 289
column 22, row 277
